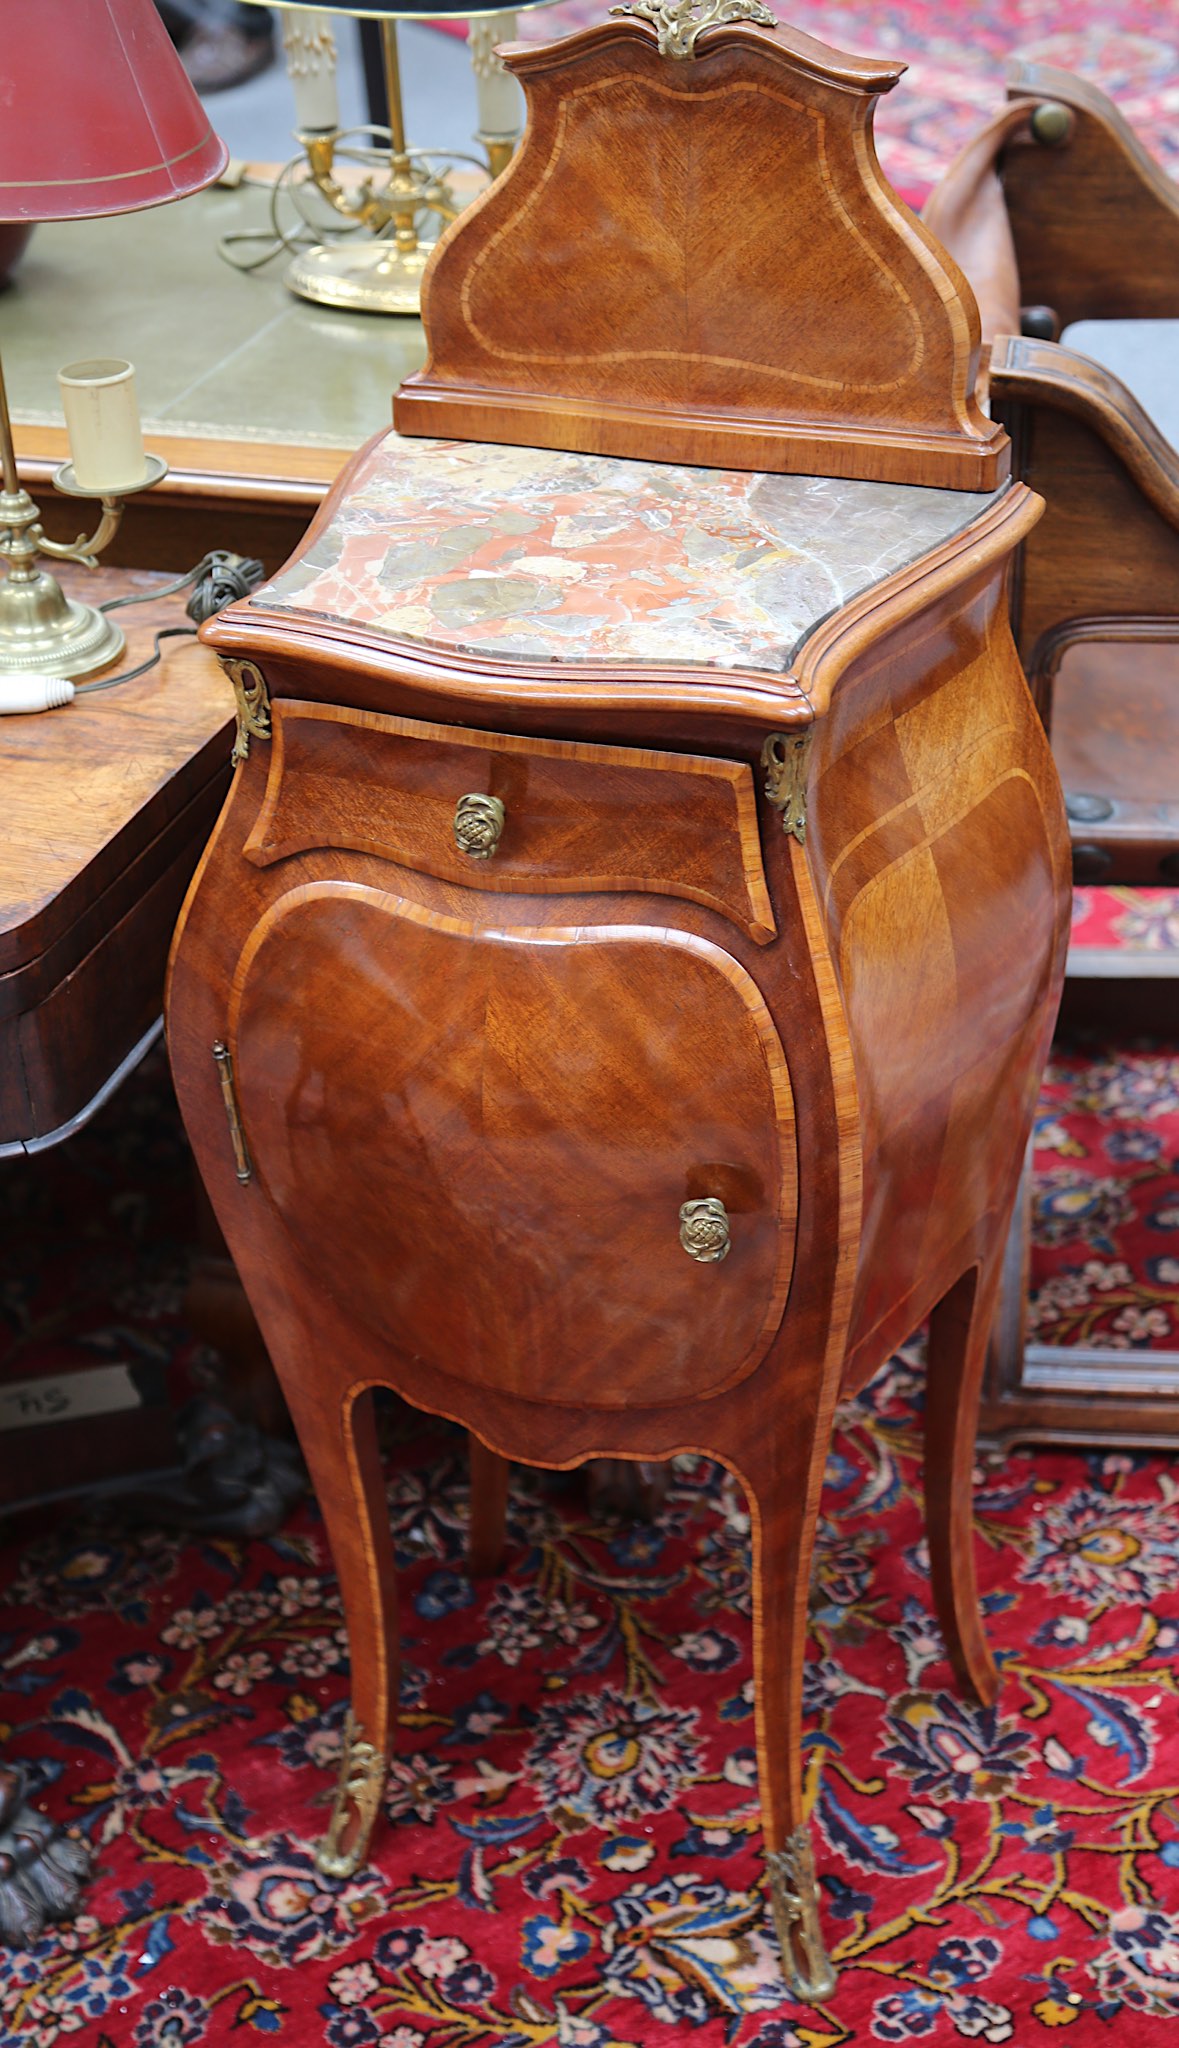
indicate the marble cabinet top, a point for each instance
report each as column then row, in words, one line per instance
column 535, row 556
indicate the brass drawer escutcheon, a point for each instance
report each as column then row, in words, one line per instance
column 478, row 823
column 704, row 1229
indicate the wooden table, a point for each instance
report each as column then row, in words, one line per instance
column 107, row 804
column 255, row 405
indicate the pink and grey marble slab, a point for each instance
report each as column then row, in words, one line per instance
column 540, row 556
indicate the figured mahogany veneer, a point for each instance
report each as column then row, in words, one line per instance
column 666, row 267
column 614, row 1053
column 599, row 1078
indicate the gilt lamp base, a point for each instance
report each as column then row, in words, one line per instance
column 375, row 278
column 45, row 633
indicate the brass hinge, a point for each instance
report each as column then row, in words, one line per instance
column 253, row 705
column 785, row 756
column 241, row 1156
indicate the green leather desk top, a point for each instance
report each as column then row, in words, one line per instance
column 218, row 354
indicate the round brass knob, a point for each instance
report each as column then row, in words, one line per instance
column 1052, row 124
column 704, row 1229
column 478, row 822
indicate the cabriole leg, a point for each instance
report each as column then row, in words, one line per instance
column 958, row 1331
column 340, row 1445
column 783, row 1540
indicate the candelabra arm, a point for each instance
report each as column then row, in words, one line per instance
column 85, row 549
column 438, row 198
column 367, row 208
column 321, row 152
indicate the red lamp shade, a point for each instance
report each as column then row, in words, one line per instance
column 96, row 112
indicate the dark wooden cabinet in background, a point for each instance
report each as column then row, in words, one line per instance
column 1059, row 216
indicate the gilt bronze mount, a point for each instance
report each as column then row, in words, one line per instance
column 253, row 705
column 478, row 824
column 679, row 22
column 785, row 756
column 794, row 1898
column 704, row 1230
column 358, row 1800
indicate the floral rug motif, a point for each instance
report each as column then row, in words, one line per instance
column 570, row 1848
column 1126, row 920
column 570, row 1851
column 957, row 60
column 1105, row 1202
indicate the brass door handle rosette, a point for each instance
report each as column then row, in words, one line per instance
column 478, row 823
column 704, row 1230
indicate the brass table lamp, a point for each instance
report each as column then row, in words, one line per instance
column 382, row 273
column 99, row 118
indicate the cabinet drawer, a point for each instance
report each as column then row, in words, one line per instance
column 575, row 817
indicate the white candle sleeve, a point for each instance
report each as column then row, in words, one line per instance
column 500, row 100
column 310, row 45
column 102, row 421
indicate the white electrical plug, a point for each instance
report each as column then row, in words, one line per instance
column 33, row 693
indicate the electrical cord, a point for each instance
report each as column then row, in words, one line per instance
column 128, row 675
column 316, row 222
column 219, row 578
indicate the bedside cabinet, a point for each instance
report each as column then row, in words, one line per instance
column 611, row 1008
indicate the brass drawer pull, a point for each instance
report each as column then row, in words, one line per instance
column 478, row 822
column 704, row 1229
column 237, row 1137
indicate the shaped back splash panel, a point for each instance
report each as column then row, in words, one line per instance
column 696, row 258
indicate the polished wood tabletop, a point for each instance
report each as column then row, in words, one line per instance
column 107, row 802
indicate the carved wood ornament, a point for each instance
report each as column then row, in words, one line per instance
column 695, row 257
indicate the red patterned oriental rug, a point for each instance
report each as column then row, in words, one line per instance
column 957, row 56
column 570, row 1852
column 1106, row 1193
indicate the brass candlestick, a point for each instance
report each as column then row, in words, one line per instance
column 384, row 275
column 42, row 631
column 362, row 242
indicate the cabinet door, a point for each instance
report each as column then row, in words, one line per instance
column 480, row 1141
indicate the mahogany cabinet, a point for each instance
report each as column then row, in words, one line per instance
column 611, row 1008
